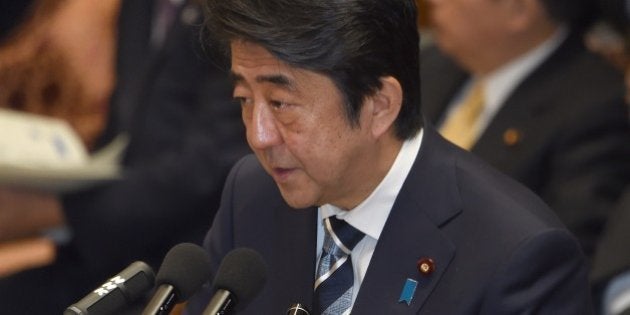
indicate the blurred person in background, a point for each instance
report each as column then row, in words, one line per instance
column 184, row 132
column 512, row 82
column 611, row 266
column 58, row 60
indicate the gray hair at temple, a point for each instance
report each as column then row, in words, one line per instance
column 353, row 42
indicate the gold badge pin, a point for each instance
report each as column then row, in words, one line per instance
column 511, row 137
column 426, row 266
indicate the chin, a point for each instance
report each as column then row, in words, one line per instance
column 297, row 201
column 299, row 204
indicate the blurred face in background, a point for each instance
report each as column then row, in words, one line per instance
column 477, row 33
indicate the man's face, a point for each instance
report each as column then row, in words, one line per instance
column 470, row 30
column 297, row 127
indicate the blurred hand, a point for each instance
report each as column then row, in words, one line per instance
column 26, row 213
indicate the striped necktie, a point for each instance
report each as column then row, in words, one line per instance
column 335, row 276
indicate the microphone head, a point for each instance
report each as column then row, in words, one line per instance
column 119, row 291
column 186, row 267
column 243, row 273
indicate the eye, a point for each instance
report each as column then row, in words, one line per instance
column 242, row 100
column 278, row 104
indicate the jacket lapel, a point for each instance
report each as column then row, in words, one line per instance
column 293, row 270
column 426, row 201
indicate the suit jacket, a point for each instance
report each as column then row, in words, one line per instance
column 612, row 257
column 185, row 134
column 497, row 249
column 615, row 12
column 563, row 131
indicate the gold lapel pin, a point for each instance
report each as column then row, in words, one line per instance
column 511, row 137
column 426, row 266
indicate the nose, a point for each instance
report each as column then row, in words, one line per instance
column 262, row 131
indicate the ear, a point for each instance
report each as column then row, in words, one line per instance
column 385, row 106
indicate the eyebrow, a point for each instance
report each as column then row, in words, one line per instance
column 279, row 80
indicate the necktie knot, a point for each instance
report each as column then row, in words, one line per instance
column 344, row 235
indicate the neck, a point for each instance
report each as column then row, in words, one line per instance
column 385, row 155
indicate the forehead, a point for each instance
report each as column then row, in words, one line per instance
column 248, row 55
column 253, row 64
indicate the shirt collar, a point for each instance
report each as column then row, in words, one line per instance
column 370, row 215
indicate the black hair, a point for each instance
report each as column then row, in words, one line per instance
column 353, row 42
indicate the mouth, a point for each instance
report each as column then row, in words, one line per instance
column 281, row 174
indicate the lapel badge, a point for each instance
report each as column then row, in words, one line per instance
column 426, row 266
column 512, row 136
column 408, row 291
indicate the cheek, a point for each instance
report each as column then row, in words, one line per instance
column 315, row 150
column 320, row 138
column 323, row 152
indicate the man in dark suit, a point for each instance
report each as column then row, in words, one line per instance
column 611, row 264
column 354, row 203
column 554, row 116
column 610, row 273
column 184, row 136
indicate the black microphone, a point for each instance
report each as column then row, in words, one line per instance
column 241, row 275
column 297, row 309
column 120, row 290
column 185, row 268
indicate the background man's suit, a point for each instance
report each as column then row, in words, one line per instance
column 497, row 248
column 567, row 121
column 185, row 135
column 612, row 257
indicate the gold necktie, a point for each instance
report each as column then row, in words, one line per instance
column 459, row 126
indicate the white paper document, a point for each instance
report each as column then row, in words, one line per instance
column 45, row 153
